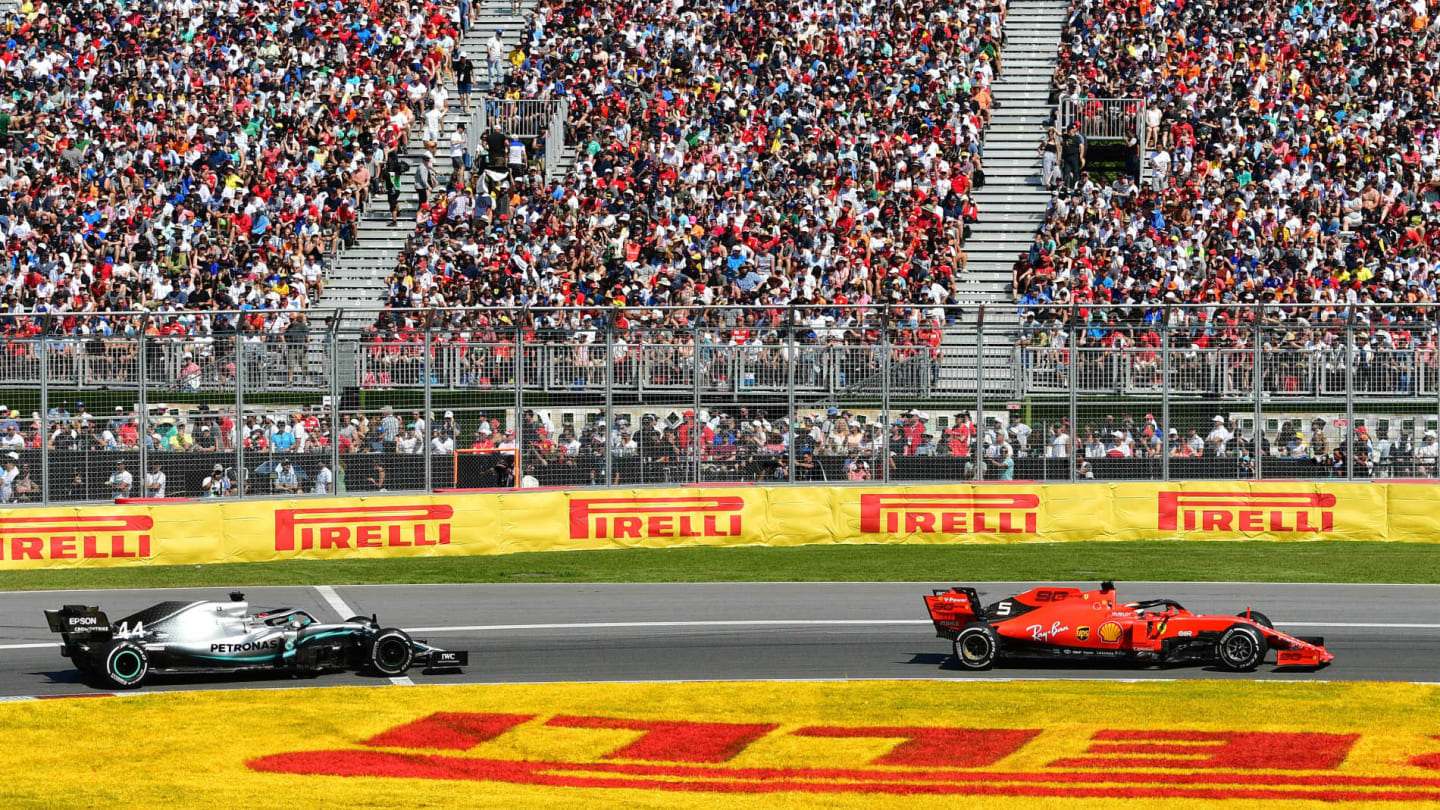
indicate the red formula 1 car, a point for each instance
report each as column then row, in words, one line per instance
column 1071, row 624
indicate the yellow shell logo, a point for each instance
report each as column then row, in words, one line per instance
column 1110, row 632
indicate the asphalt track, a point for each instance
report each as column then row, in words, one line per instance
column 725, row 631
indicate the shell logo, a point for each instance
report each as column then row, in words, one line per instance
column 1110, row 632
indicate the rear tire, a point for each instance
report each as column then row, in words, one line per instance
column 977, row 646
column 1258, row 618
column 1241, row 648
column 123, row 665
column 390, row 653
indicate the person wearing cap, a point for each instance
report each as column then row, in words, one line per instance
column 218, row 484
column 1219, row 437
column 1059, row 441
column 1427, row 455
column 1019, row 434
column 324, row 479
column 1072, row 155
column 443, row 444
column 205, row 440
column 1319, row 442
column 286, row 480
column 120, row 481
column 389, row 426
column 155, row 481
column 11, row 438
column 494, row 56
column 283, row 441
column 1002, row 466
column 8, row 477
column 409, row 442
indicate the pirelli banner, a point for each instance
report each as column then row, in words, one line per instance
column 550, row 520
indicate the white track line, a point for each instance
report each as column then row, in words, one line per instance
column 345, row 611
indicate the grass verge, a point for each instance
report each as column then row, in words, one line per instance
column 1155, row 560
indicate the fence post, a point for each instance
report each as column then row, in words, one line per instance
column 1165, row 394
column 610, row 432
column 980, row 395
column 697, row 433
column 1073, row 345
column 885, row 460
column 1349, row 429
column 428, row 369
column 1258, row 432
column 44, row 345
column 520, row 397
column 336, row 426
column 1420, row 428
column 792, row 427
column 241, row 361
column 143, row 405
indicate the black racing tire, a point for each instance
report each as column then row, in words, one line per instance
column 1258, row 618
column 390, row 653
column 977, row 646
column 1241, row 648
column 121, row 665
column 365, row 620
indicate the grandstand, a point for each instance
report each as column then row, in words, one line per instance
column 729, row 243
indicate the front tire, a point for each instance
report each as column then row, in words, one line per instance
column 977, row 646
column 123, row 665
column 1241, row 648
column 390, row 653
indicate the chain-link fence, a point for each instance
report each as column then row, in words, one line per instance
column 251, row 405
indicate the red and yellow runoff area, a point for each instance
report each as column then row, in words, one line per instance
column 853, row 744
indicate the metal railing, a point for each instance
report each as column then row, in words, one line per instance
column 1105, row 118
column 555, row 141
column 796, row 394
column 523, row 117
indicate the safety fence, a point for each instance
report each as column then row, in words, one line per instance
column 477, row 523
column 425, row 400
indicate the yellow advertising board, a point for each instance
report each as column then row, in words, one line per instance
column 214, row 531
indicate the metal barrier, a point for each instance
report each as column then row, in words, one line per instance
column 582, row 397
column 1116, row 119
column 524, row 117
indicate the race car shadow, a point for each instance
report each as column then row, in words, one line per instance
column 74, row 678
column 946, row 661
column 70, row 676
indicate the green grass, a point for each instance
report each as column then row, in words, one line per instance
column 1180, row 561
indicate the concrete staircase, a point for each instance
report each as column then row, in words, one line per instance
column 1012, row 204
column 357, row 277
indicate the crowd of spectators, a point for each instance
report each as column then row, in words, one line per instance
column 199, row 451
column 728, row 153
column 1292, row 159
column 181, row 155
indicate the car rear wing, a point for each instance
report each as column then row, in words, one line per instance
column 79, row 620
column 953, row 609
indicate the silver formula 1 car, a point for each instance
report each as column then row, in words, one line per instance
column 223, row 637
